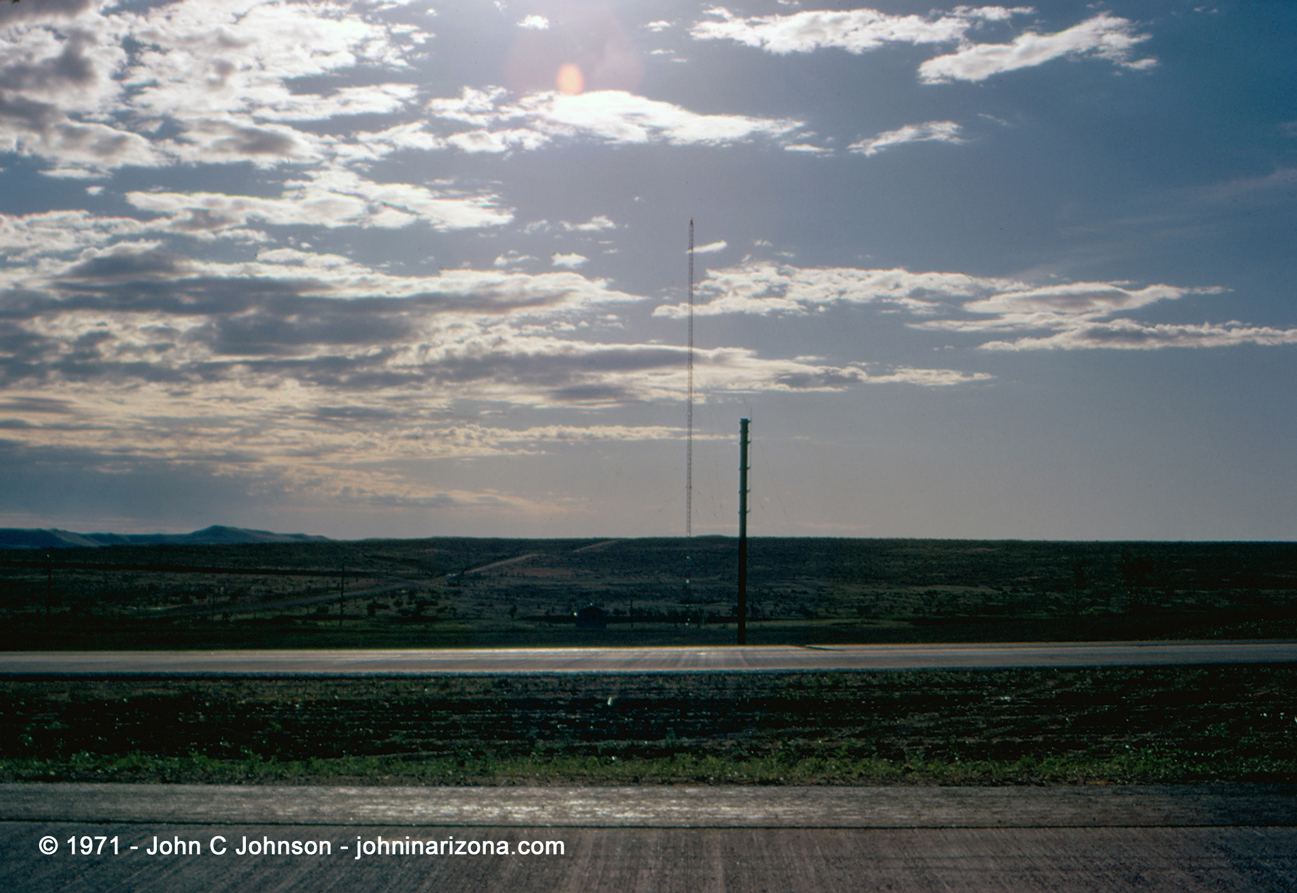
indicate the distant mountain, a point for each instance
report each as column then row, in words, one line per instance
column 13, row 538
column 217, row 535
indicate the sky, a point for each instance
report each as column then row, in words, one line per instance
column 414, row 268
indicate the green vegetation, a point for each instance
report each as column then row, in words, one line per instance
column 1001, row 727
column 450, row 592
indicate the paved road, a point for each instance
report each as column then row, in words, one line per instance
column 644, row 660
column 657, row 839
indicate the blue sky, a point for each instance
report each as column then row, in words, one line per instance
column 414, row 269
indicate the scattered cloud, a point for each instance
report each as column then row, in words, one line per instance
column 14, row 13
column 1059, row 315
column 90, row 88
column 1125, row 334
column 932, row 378
column 1103, row 37
column 309, row 373
column 25, row 237
column 1029, row 305
column 596, row 224
column 711, row 247
column 329, row 198
column 832, row 379
column 571, row 261
column 244, row 55
column 856, row 31
column 511, row 258
column 1093, row 315
column 931, row 131
column 611, row 116
column 764, row 288
column 535, row 23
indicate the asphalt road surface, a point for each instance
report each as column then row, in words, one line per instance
column 644, row 660
column 648, row 839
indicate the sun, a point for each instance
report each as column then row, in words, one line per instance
column 570, row 80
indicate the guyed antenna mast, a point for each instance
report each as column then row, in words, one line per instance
column 689, row 422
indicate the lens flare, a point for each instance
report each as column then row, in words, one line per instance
column 570, row 80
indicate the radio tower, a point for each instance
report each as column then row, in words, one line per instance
column 689, row 424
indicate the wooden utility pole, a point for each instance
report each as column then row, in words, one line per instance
column 342, row 594
column 743, row 532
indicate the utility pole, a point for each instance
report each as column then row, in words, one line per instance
column 342, row 594
column 743, row 532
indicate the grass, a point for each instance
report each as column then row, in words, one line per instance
column 1150, row 768
column 1110, row 725
column 449, row 592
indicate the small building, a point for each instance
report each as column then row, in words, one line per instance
column 591, row 617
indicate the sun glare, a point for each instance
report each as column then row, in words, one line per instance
column 570, row 80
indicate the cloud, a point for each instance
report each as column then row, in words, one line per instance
column 12, row 13
column 32, row 121
column 69, row 67
column 571, row 261
column 1091, row 315
column 229, row 141
column 320, row 380
column 1062, row 306
column 1102, row 37
column 1074, row 299
column 711, row 247
column 38, row 405
column 1125, row 334
column 1053, row 316
column 128, row 335
column 763, row 288
column 200, row 59
column 535, row 23
column 101, row 280
column 832, row 379
column 931, row 131
column 163, row 466
column 511, row 258
column 862, row 30
column 25, row 237
column 329, row 198
column 856, row 31
column 596, row 224
column 611, row 116
column 932, row 378
column 191, row 81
